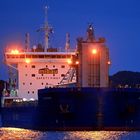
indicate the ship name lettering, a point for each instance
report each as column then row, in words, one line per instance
column 48, row 71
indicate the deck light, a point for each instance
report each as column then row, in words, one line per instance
column 32, row 99
column 69, row 61
column 77, row 62
column 24, row 99
column 108, row 62
column 14, row 51
column 27, row 61
column 94, row 51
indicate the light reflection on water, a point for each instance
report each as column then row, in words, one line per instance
column 25, row 134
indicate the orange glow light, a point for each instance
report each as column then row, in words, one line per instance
column 27, row 61
column 94, row 51
column 77, row 62
column 14, row 52
column 108, row 62
column 69, row 61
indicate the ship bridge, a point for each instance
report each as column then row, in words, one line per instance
column 38, row 70
column 15, row 57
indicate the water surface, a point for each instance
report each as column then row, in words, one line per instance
column 25, row 134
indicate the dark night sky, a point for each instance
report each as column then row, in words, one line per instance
column 116, row 20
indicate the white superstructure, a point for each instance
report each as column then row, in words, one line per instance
column 37, row 70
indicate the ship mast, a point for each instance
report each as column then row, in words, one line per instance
column 67, row 46
column 27, row 42
column 47, row 30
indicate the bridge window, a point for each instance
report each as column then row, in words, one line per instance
column 58, row 56
column 63, row 56
column 41, row 56
column 34, row 56
column 22, row 56
column 28, row 56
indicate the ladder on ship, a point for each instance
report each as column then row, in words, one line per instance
column 70, row 77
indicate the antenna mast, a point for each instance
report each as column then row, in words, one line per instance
column 27, row 42
column 47, row 30
column 67, row 46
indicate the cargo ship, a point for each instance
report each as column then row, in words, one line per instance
column 67, row 90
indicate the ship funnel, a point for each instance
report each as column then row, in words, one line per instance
column 67, row 46
column 27, row 41
column 93, row 57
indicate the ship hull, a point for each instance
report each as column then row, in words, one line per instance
column 78, row 109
